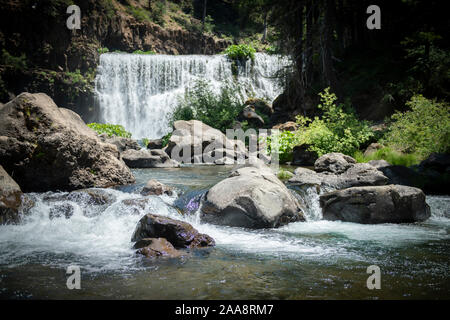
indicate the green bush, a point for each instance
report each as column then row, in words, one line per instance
column 144, row 52
column 216, row 110
column 422, row 130
column 16, row 62
column 392, row 156
column 102, row 50
column 240, row 52
column 110, row 129
column 338, row 130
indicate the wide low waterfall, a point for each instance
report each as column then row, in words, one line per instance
column 140, row 91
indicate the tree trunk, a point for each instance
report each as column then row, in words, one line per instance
column 204, row 15
column 263, row 39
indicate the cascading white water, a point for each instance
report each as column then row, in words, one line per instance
column 140, row 91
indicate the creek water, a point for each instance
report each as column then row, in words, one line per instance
column 306, row 260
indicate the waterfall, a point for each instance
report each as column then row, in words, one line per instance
column 140, row 91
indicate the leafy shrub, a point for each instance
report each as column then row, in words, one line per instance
column 110, row 129
column 284, row 174
column 392, row 156
column 16, row 62
column 145, row 142
column 216, row 110
column 165, row 139
column 338, row 130
column 144, row 52
column 102, row 50
column 240, row 52
column 422, row 130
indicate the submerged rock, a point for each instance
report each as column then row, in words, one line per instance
column 148, row 159
column 371, row 205
column 51, row 148
column 154, row 187
column 252, row 198
column 10, row 198
column 179, row 233
column 157, row 247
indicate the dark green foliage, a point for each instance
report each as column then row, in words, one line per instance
column 216, row 110
column 19, row 62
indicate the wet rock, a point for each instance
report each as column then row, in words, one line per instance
column 437, row 161
column 179, row 233
column 148, row 159
column 371, row 205
column 121, row 143
column 301, row 156
column 10, row 198
column 157, row 247
column 61, row 210
column 155, row 144
column 251, row 198
column 51, row 148
column 154, row 187
column 333, row 162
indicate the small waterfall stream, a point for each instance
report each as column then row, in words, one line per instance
column 140, row 91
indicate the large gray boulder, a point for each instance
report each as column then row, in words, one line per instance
column 10, row 198
column 191, row 141
column 51, row 148
column 145, row 158
column 371, row 205
column 252, row 198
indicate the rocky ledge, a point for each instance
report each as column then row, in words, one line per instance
column 51, row 148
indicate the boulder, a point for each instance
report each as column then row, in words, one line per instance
column 154, row 187
column 148, row 159
column 439, row 162
column 333, row 162
column 249, row 114
column 155, row 144
column 179, row 233
column 371, row 205
column 379, row 163
column 51, row 148
column 287, row 126
column 260, row 105
column 121, row 143
column 192, row 139
column 157, row 247
column 301, row 156
column 372, row 148
column 252, row 198
column 357, row 174
column 10, row 198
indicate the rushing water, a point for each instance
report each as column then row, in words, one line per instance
column 140, row 91
column 315, row 259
